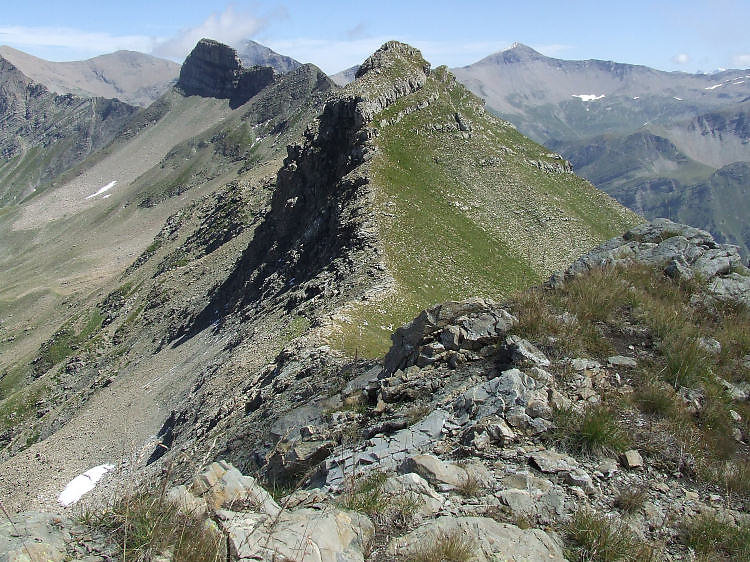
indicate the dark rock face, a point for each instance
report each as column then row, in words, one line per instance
column 214, row 70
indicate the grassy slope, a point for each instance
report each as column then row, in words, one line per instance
column 470, row 216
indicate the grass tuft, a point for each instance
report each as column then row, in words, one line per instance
column 718, row 540
column 595, row 538
column 453, row 546
column 146, row 525
column 595, row 432
column 631, row 500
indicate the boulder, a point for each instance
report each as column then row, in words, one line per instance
column 304, row 535
column 621, row 361
column 523, row 352
column 552, row 462
column 413, row 487
column 632, row 459
column 438, row 472
column 223, row 486
column 680, row 250
column 482, row 538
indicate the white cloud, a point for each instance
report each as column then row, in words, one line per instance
column 742, row 60
column 681, row 58
column 74, row 39
column 229, row 26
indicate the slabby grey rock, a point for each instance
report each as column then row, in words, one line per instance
column 437, row 471
column 488, row 539
column 34, row 536
column 386, row 451
column 305, row 535
column 632, row 459
column 524, row 352
column 621, row 361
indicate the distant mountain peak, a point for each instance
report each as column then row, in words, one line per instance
column 516, row 53
column 252, row 53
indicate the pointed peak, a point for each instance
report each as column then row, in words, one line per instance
column 393, row 55
column 517, row 52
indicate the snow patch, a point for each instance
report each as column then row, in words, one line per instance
column 82, row 484
column 107, row 187
column 588, row 97
column 713, row 87
column 738, row 82
column 678, row 99
column 636, row 97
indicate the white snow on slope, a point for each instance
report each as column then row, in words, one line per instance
column 678, row 99
column 82, row 484
column 107, row 187
column 588, row 97
column 713, row 87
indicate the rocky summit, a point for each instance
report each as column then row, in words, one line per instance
column 364, row 323
column 213, row 69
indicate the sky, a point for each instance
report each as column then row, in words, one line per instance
column 686, row 35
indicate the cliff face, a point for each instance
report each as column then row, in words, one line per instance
column 214, row 70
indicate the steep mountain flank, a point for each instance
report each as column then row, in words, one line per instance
column 47, row 279
column 132, row 77
column 650, row 175
column 716, row 138
column 42, row 134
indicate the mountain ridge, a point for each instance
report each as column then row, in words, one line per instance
column 133, row 77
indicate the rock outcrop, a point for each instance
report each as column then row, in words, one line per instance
column 213, row 69
column 684, row 252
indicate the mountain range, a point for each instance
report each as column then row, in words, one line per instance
column 320, row 285
column 657, row 141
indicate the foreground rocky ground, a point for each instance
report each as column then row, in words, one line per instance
column 602, row 417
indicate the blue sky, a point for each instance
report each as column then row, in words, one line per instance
column 687, row 35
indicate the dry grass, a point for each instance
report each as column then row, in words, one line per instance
column 366, row 494
column 470, row 488
column 145, row 525
column 717, row 540
column 453, row 546
column 657, row 399
column 595, row 432
column 591, row 537
column 631, row 500
column 605, row 308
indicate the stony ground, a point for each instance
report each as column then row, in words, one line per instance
column 469, row 441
